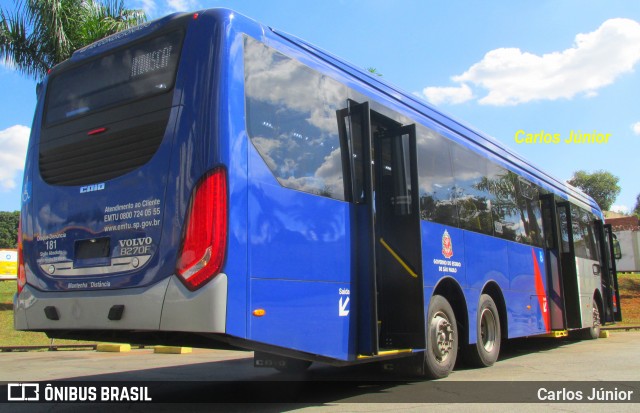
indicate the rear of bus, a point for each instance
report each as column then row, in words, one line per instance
column 125, row 199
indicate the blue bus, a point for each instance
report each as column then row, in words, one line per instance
column 206, row 180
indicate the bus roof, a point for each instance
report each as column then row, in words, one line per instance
column 461, row 132
column 480, row 140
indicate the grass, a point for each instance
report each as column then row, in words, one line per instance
column 7, row 289
column 629, row 285
column 11, row 337
column 629, row 296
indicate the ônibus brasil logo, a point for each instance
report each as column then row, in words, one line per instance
column 447, row 246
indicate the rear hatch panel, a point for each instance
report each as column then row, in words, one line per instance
column 102, row 235
column 97, row 179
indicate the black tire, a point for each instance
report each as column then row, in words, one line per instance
column 290, row 365
column 593, row 332
column 442, row 339
column 486, row 350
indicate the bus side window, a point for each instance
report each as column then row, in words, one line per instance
column 435, row 177
column 473, row 198
column 529, row 204
column 291, row 120
column 504, row 206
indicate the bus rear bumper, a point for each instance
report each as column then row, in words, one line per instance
column 164, row 306
column 201, row 311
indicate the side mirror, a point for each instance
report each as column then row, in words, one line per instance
column 617, row 251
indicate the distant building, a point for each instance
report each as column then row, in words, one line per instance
column 627, row 229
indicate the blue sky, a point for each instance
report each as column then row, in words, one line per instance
column 501, row 66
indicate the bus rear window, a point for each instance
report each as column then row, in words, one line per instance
column 138, row 71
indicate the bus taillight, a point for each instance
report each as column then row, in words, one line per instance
column 22, row 276
column 205, row 236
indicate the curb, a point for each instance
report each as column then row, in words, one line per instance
column 171, row 350
column 620, row 328
column 113, row 348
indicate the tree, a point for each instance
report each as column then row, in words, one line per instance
column 636, row 210
column 42, row 33
column 9, row 229
column 601, row 185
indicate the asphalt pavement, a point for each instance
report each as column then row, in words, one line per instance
column 525, row 367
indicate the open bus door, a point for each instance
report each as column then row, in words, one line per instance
column 609, row 276
column 382, row 183
column 568, row 267
column 554, row 262
column 614, row 254
column 563, row 283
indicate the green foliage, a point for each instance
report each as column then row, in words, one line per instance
column 9, row 229
column 374, row 71
column 636, row 210
column 600, row 185
column 43, row 33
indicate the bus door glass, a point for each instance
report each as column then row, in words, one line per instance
column 589, row 263
column 609, row 260
column 552, row 240
column 397, row 231
column 586, row 260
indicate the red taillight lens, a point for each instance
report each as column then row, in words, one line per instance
column 204, row 242
column 22, row 276
column 96, row 131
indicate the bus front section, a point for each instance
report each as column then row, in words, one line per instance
column 124, row 204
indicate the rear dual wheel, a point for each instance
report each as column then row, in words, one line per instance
column 485, row 351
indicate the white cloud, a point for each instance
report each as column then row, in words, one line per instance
column 621, row 209
column 512, row 76
column 181, row 5
column 636, row 128
column 454, row 95
column 13, row 151
column 159, row 8
column 149, row 6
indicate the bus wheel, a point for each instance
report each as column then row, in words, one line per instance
column 593, row 332
column 487, row 347
column 290, row 365
column 442, row 339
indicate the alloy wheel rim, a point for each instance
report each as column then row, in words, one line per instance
column 488, row 330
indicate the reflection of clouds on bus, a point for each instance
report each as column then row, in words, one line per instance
column 265, row 147
column 291, row 118
column 437, row 184
column 326, row 181
column 293, row 86
column 331, row 168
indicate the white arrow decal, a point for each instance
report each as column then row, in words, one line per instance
column 342, row 307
